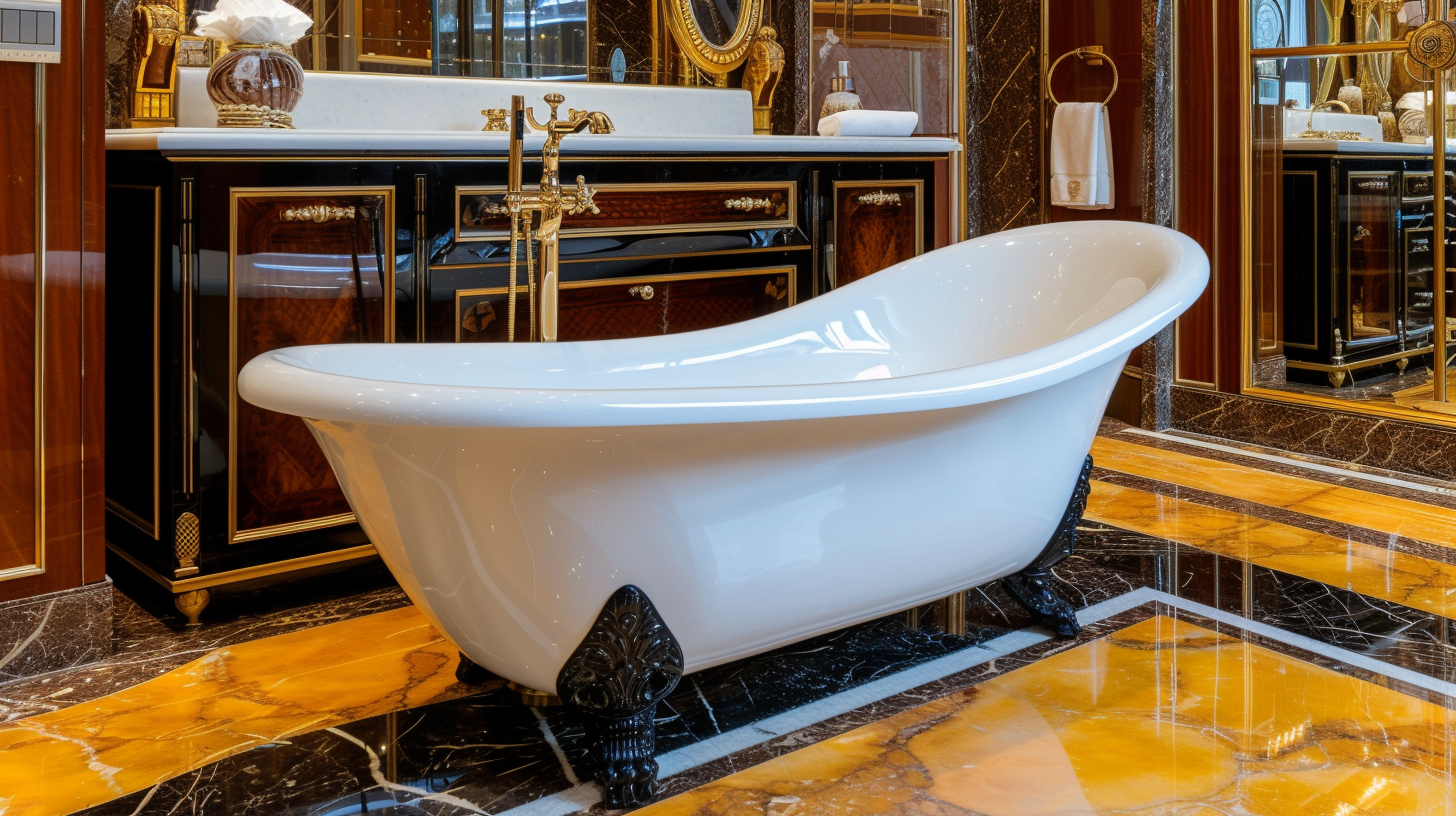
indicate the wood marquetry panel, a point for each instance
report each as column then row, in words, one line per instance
column 876, row 225
column 645, row 208
column 306, row 268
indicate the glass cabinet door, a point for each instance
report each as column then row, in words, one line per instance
column 1373, row 255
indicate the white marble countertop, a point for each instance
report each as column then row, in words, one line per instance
column 1350, row 147
column 201, row 142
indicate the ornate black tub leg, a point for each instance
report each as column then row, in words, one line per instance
column 1035, row 586
column 627, row 663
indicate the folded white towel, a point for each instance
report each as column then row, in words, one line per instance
column 1081, row 157
column 869, row 123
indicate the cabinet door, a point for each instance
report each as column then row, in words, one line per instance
column 306, row 266
column 876, row 225
column 1374, row 257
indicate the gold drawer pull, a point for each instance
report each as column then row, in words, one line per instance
column 880, row 199
column 1361, row 233
column 644, row 292
column 317, row 213
column 748, row 204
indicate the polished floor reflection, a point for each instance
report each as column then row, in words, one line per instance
column 1263, row 636
column 1161, row 717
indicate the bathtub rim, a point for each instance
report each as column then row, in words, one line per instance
column 277, row 381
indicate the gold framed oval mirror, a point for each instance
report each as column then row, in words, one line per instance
column 715, row 35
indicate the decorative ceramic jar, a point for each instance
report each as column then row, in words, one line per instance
column 255, row 85
column 1389, row 125
column 1352, row 95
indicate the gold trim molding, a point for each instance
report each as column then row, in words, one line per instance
column 238, row 576
column 37, row 567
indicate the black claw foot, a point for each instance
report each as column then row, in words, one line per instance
column 1035, row 587
column 624, row 750
column 627, row 663
column 470, row 673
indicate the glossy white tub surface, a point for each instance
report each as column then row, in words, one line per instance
column 901, row 438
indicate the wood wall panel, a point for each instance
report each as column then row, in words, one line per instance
column 74, row 111
column 1197, row 93
column 1117, row 26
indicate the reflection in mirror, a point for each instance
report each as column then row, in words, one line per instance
column 1343, row 231
column 1294, row 23
column 717, row 19
column 532, row 39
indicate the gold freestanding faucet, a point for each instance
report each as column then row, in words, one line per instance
column 551, row 202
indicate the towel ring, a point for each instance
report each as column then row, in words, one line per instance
column 1088, row 53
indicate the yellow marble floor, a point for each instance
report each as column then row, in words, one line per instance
column 1410, row 580
column 1347, row 505
column 233, row 699
column 1162, row 718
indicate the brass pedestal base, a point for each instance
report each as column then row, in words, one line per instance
column 534, row 697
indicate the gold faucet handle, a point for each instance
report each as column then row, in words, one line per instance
column 554, row 100
column 495, row 119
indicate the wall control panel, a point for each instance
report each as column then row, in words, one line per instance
column 30, row 30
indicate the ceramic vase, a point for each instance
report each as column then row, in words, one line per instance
column 255, row 86
column 1352, row 95
column 1389, row 125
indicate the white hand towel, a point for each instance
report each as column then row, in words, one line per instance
column 1081, row 157
column 869, row 123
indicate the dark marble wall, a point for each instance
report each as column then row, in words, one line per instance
column 118, row 61
column 1159, row 157
column 55, row 631
column 1003, row 115
column 1362, row 440
column 624, row 24
column 791, row 18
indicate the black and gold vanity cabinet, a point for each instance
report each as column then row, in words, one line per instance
column 214, row 260
column 1357, row 296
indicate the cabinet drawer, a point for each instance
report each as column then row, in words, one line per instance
column 644, row 208
column 634, row 307
column 876, row 225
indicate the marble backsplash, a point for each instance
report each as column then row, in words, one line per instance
column 55, row 631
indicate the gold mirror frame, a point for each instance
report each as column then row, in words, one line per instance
column 704, row 55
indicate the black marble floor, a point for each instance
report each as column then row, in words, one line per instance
column 488, row 753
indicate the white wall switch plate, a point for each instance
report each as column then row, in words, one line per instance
column 30, row 30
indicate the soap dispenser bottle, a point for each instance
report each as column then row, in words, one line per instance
column 841, row 93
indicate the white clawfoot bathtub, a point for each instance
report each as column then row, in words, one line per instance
column 889, row 443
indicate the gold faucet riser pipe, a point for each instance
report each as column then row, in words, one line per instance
column 1438, row 260
column 518, row 138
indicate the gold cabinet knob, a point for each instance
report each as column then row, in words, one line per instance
column 644, row 292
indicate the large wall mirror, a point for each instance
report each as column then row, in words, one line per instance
column 1347, row 305
column 527, row 39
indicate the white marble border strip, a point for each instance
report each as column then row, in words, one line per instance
column 586, row 794
column 1293, row 462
